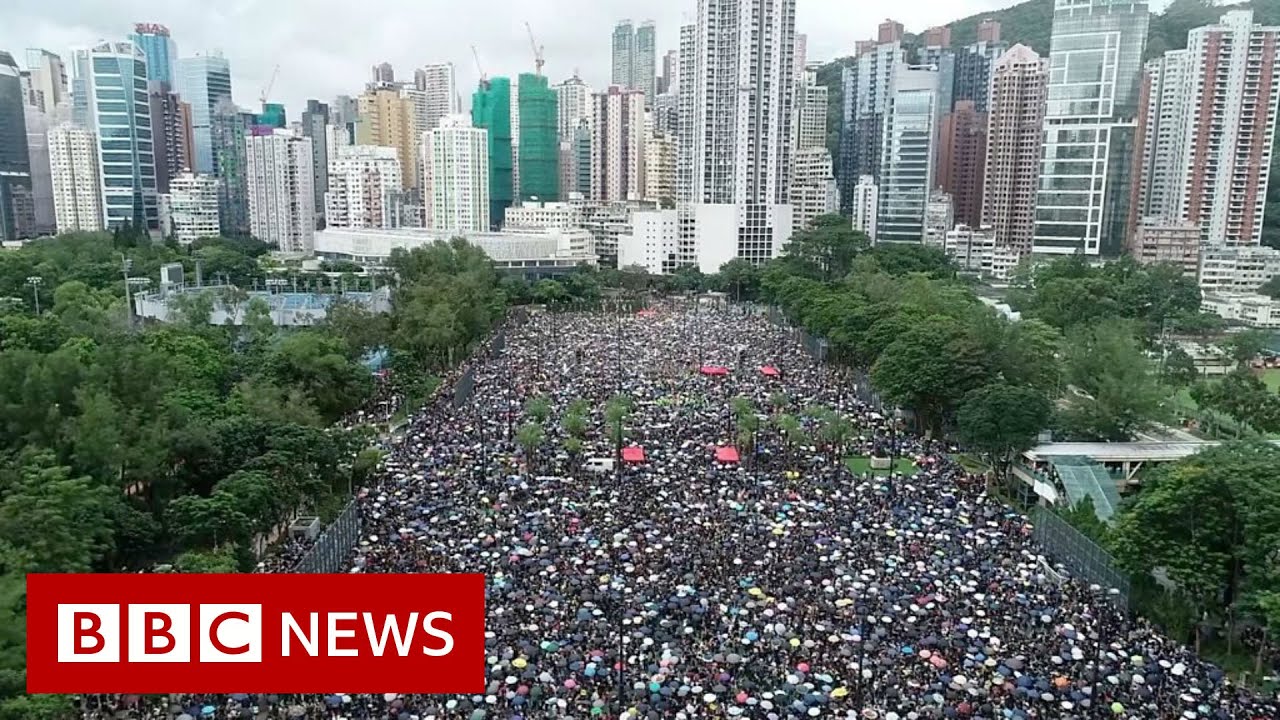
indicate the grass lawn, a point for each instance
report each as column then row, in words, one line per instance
column 861, row 465
column 1271, row 377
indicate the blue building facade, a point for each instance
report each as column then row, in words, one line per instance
column 160, row 49
column 202, row 81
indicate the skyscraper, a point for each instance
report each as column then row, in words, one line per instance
column 381, row 74
column 669, row 78
column 685, row 104
column 866, row 85
column 539, row 148
column 1095, row 65
column 617, row 145
column 273, row 115
column 386, row 119
column 344, row 113
column 812, row 189
column 281, row 200
column 1015, row 128
column 41, row 175
column 491, row 110
column 624, row 53
column 456, row 158
column 122, row 124
column 202, row 81
column 573, row 105
column 810, row 113
column 76, row 179
column 906, row 169
column 362, row 182
column 315, row 121
column 439, row 86
column 189, row 211
column 742, row 128
column 973, row 66
column 17, row 204
column 48, row 80
column 937, row 52
column 660, row 170
column 171, row 133
column 643, row 67
column 1208, row 130
column 160, row 49
column 230, row 128
column 962, row 159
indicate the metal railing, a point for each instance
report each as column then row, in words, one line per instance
column 1081, row 556
column 329, row 554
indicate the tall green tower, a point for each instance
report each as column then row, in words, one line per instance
column 539, row 145
column 491, row 110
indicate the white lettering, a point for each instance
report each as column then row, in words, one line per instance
column 310, row 641
column 448, row 639
column 390, row 626
column 335, row 633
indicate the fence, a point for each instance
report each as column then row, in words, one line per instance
column 329, row 554
column 1080, row 555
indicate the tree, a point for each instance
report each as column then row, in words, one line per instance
column 62, row 523
column 739, row 278
column 538, row 408
column 1210, row 523
column 530, row 437
column 1246, row 345
column 1243, row 396
column 549, row 292
column 929, row 367
column 828, row 246
column 1114, row 391
column 1179, row 368
column 1001, row 420
column 1271, row 288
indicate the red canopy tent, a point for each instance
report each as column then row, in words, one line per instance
column 713, row 370
column 633, row 454
column 727, row 454
column 647, row 313
column 770, row 370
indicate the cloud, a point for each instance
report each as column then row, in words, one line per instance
column 326, row 47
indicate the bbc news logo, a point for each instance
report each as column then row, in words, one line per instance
column 255, row 633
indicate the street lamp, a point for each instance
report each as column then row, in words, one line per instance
column 893, row 445
column 35, row 281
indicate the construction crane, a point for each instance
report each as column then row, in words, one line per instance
column 270, row 83
column 484, row 78
column 537, row 49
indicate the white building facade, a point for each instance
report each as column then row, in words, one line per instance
column 189, row 211
column 617, row 145
column 73, row 169
column 456, row 167
column 866, row 202
column 363, row 180
column 281, row 190
column 652, row 242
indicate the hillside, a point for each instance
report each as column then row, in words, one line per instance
column 1031, row 23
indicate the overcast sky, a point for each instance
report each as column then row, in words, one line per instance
column 326, row 47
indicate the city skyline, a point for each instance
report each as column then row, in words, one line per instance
column 317, row 63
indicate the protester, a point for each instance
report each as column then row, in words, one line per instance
column 782, row 586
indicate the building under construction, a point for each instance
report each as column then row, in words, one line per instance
column 491, row 110
column 539, row 145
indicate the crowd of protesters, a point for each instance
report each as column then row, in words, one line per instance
column 680, row 587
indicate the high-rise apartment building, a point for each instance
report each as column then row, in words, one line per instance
column 813, row 186
column 962, row 160
column 907, row 156
column 387, row 119
column 48, row 80
column 581, row 161
column 669, row 79
column 315, row 125
column 539, row 148
column 1015, row 128
column 624, row 54
column 1095, row 64
column 17, row 203
column 171, row 133
column 1209, row 118
column 644, row 64
column 362, row 181
column 230, row 127
column 573, row 105
column 344, row 113
column 439, row 87
column 866, row 85
column 202, row 81
column 973, row 66
column 456, row 158
column 491, row 110
column 618, row 145
column 866, row 202
column 281, row 199
column 381, row 74
column 160, row 49
column 890, row 31
column 685, row 104
column 660, row 170
column 810, row 112
column 122, row 124
column 189, row 211
column 937, row 53
column 41, row 179
column 76, row 179
column 742, row 112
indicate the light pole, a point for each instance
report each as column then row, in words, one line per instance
column 35, row 281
